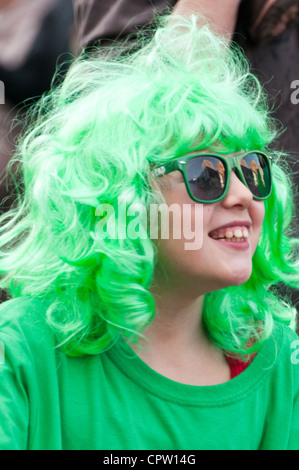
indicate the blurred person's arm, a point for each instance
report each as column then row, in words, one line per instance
column 221, row 13
column 101, row 21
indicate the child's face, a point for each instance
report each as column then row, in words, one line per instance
column 225, row 256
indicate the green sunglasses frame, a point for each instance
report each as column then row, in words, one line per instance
column 230, row 163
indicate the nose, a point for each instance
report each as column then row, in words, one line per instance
column 238, row 194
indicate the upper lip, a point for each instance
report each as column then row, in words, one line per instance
column 236, row 223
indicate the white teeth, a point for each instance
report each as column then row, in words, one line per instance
column 234, row 239
column 232, row 234
column 229, row 234
column 238, row 233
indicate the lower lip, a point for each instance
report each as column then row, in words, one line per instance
column 235, row 245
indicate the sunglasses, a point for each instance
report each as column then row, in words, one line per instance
column 207, row 176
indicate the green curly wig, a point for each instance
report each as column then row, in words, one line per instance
column 93, row 140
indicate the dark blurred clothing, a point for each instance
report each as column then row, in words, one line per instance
column 276, row 64
column 31, row 50
column 34, row 38
column 110, row 21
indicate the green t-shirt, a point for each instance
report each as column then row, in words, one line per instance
column 114, row 401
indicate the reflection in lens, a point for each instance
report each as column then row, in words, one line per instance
column 221, row 171
column 257, row 174
column 206, row 176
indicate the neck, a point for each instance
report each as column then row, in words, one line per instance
column 176, row 344
column 177, row 322
column 177, row 315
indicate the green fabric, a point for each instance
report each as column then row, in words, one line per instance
column 115, row 401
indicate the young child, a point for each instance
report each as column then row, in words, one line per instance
column 118, row 334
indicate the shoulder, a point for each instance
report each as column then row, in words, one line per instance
column 285, row 343
column 283, row 339
column 22, row 312
column 23, row 325
column 19, row 308
column 284, row 336
column 28, row 374
column 276, row 356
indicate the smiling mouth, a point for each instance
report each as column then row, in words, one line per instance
column 230, row 234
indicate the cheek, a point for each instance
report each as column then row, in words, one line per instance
column 257, row 215
column 179, row 246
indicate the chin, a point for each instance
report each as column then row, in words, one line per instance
column 231, row 274
column 239, row 278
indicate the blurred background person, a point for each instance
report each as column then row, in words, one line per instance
column 268, row 31
column 35, row 37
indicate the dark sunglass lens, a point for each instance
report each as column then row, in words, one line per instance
column 206, row 177
column 256, row 172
